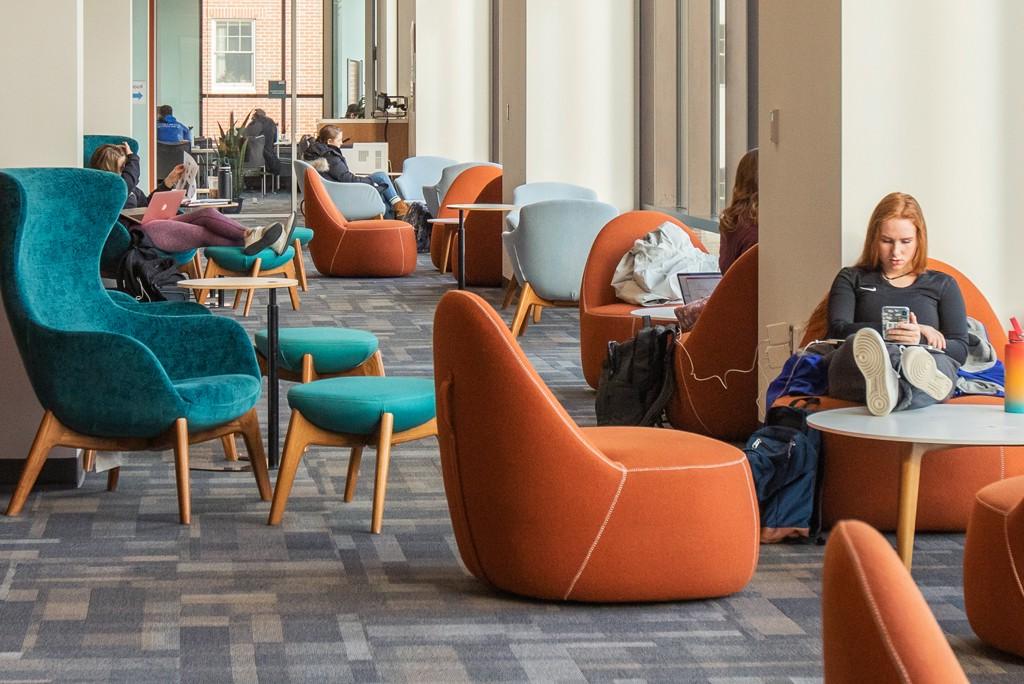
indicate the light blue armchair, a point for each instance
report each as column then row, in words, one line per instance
column 419, row 172
column 112, row 378
column 549, row 250
column 433, row 195
column 531, row 193
column 357, row 201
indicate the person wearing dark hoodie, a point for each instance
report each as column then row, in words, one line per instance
column 204, row 227
column 327, row 146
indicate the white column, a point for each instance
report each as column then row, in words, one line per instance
column 108, row 67
column 41, row 45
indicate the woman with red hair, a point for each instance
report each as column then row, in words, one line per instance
column 898, row 364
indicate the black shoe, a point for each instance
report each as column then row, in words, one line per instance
column 264, row 237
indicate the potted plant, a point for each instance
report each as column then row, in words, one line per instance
column 231, row 148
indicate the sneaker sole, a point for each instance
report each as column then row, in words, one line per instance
column 266, row 240
column 872, row 359
column 920, row 371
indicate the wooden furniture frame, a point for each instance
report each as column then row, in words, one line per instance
column 371, row 366
column 302, row 434
column 529, row 299
column 215, row 270
column 53, row 433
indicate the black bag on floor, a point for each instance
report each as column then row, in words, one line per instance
column 148, row 274
column 418, row 218
column 637, row 379
column 785, row 460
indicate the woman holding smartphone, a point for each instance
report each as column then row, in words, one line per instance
column 925, row 334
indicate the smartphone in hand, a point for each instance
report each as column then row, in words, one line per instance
column 893, row 316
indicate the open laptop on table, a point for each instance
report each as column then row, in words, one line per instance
column 694, row 286
column 162, row 206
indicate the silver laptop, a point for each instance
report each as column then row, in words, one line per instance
column 694, row 286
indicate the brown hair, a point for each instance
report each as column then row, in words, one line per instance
column 107, row 158
column 328, row 133
column 744, row 195
column 895, row 205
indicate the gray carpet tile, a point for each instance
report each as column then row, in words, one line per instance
column 98, row 586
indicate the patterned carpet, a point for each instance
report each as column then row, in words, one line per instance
column 101, row 586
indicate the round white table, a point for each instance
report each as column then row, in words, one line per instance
column 656, row 313
column 935, row 427
column 462, row 209
column 273, row 285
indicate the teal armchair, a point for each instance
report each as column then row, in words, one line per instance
column 112, row 377
column 91, row 142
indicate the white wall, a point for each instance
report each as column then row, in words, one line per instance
column 580, row 96
column 108, row 67
column 936, row 111
column 41, row 50
column 453, row 81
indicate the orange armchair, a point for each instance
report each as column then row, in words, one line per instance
column 372, row 248
column 603, row 317
column 543, row 508
column 994, row 566
column 862, row 476
column 479, row 184
column 716, row 362
column 876, row 626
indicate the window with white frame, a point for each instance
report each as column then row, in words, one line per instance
column 234, row 55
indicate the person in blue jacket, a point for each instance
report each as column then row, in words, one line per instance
column 169, row 129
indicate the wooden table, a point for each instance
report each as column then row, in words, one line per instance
column 462, row 209
column 934, row 427
column 273, row 285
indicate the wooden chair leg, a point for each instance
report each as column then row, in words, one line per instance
column 510, row 292
column 294, row 446
column 238, row 298
column 308, row 372
column 46, row 437
column 380, row 485
column 374, row 365
column 230, row 451
column 449, row 241
column 354, row 459
column 197, row 265
column 212, row 271
column 88, row 460
column 537, row 309
column 526, row 300
column 112, row 477
column 250, row 294
column 181, row 470
column 257, row 456
column 293, row 292
column 300, row 266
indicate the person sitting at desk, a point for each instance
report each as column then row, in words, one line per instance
column 169, row 129
column 895, row 372
column 262, row 124
column 204, row 227
column 328, row 146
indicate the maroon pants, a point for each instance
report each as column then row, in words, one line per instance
column 204, row 227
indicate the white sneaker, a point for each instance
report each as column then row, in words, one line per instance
column 262, row 237
column 281, row 244
column 883, row 383
column 919, row 368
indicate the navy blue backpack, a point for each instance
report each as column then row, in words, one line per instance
column 785, row 459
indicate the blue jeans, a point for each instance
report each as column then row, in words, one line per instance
column 386, row 188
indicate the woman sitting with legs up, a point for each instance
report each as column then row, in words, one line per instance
column 889, row 360
column 205, row 227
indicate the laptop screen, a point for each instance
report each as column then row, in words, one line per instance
column 694, row 286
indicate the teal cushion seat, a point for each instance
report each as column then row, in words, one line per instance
column 303, row 234
column 354, row 405
column 181, row 257
column 217, row 399
column 334, row 350
column 232, row 258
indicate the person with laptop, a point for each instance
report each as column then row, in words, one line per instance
column 327, row 146
column 901, row 329
column 737, row 226
column 171, row 232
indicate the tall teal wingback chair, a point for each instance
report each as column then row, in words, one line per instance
column 110, row 378
column 91, row 142
column 419, row 172
column 549, row 251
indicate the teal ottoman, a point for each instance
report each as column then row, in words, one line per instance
column 232, row 261
column 307, row 354
column 354, row 412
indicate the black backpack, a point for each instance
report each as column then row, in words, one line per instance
column 785, row 460
column 418, row 217
column 637, row 379
column 146, row 273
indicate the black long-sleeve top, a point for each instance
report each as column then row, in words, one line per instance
column 858, row 295
column 337, row 166
column 130, row 174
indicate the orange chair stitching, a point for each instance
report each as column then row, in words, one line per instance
column 755, row 517
column 597, row 538
column 1009, row 552
column 862, row 579
column 708, row 466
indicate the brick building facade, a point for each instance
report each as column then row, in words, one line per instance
column 244, row 45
